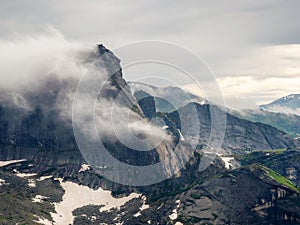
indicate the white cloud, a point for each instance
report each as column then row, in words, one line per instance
column 35, row 66
column 283, row 109
column 267, row 73
column 264, row 62
column 259, row 91
column 27, row 59
column 248, row 92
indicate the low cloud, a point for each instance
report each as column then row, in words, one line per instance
column 283, row 109
column 46, row 64
column 26, row 60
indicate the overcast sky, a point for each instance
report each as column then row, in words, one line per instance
column 252, row 46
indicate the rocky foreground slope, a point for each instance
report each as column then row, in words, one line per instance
column 250, row 194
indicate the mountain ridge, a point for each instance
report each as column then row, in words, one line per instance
column 286, row 104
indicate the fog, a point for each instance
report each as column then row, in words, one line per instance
column 44, row 64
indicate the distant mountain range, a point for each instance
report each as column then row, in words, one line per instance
column 289, row 104
column 167, row 99
column 289, row 123
column 172, row 98
column 283, row 113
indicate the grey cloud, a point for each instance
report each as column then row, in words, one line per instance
column 271, row 21
column 224, row 33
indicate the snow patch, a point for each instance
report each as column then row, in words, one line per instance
column 178, row 223
column 227, row 160
column 174, row 215
column 31, row 183
column 2, row 182
column 181, row 136
column 101, row 167
column 45, row 178
column 137, row 214
column 203, row 102
column 42, row 221
column 5, row 163
column 143, row 207
column 84, row 167
column 39, row 198
column 18, row 174
column 88, row 196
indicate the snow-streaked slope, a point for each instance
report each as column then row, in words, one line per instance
column 77, row 196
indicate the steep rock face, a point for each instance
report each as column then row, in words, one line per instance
column 41, row 131
column 105, row 59
column 147, row 104
column 288, row 123
column 240, row 135
column 37, row 126
column 255, row 136
column 43, row 136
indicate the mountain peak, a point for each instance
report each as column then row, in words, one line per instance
column 291, row 96
column 286, row 103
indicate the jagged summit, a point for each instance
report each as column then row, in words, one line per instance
column 102, row 50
